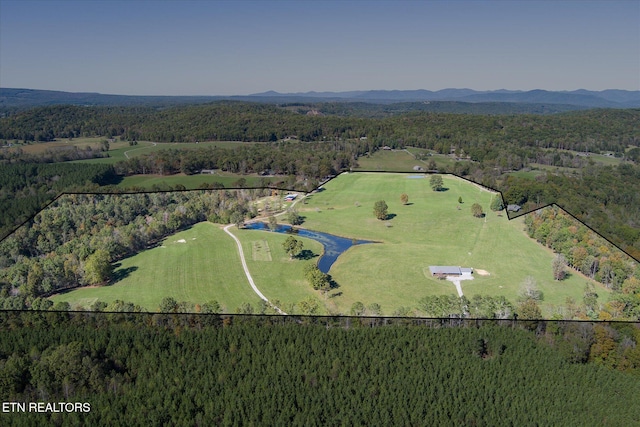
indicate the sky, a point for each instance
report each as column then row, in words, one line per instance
column 207, row 47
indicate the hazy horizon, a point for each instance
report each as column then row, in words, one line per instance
column 222, row 48
column 316, row 91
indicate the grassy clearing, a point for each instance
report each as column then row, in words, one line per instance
column 389, row 160
column 65, row 143
column 118, row 149
column 260, row 250
column 197, row 265
column 282, row 279
column 400, row 160
column 194, row 181
column 530, row 174
column 431, row 230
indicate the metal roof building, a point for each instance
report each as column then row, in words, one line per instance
column 449, row 270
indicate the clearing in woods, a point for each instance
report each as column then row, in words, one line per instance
column 433, row 228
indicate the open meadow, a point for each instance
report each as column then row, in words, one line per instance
column 121, row 150
column 229, row 180
column 432, row 229
column 401, row 160
column 203, row 264
column 198, row 265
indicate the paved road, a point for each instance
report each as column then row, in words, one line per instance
column 246, row 270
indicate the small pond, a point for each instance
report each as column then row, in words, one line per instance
column 334, row 246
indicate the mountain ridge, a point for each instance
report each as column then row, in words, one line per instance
column 19, row 98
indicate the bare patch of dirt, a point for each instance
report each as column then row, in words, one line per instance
column 482, row 272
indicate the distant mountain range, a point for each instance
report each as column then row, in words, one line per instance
column 611, row 98
column 578, row 99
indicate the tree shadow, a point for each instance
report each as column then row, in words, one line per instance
column 121, row 273
column 306, row 254
column 443, row 189
column 332, row 283
column 335, row 294
column 408, row 204
column 390, row 216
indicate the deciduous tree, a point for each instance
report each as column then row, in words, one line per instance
column 380, row 210
column 436, row 182
column 97, row 268
column 496, row 203
column 292, row 246
column 476, row 210
column 559, row 267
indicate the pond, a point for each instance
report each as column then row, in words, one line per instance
column 334, row 246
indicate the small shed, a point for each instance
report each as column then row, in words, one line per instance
column 513, row 208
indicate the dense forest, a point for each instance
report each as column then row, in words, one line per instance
column 489, row 148
column 592, row 130
column 25, row 188
column 227, row 370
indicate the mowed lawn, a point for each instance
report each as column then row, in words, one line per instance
column 198, row 265
column 430, row 230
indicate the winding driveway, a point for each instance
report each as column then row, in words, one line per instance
column 126, row 153
column 246, row 270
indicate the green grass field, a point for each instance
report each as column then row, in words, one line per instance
column 197, row 265
column 432, row 229
column 194, row 181
column 281, row 278
column 400, row 160
column 429, row 231
column 117, row 150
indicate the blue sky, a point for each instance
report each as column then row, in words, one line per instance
column 242, row 47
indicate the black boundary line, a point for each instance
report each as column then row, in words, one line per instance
column 307, row 193
column 323, row 316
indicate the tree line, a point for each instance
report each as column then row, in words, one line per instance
column 25, row 188
column 228, row 370
column 584, row 251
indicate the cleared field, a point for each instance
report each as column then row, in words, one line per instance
column 118, row 149
column 389, row 160
column 399, row 160
column 194, row 181
column 65, row 143
column 281, row 278
column 431, row 230
column 198, row 265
